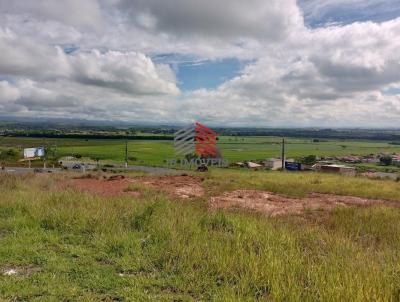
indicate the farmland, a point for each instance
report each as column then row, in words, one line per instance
column 234, row 148
column 147, row 245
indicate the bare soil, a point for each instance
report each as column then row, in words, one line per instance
column 21, row 270
column 276, row 205
column 191, row 187
column 114, row 186
column 181, row 186
column 100, row 187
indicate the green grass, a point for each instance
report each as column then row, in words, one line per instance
column 377, row 167
column 303, row 183
column 244, row 148
column 73, row 246
column 263, row 147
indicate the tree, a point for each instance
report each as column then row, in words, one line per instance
column 9, row 155
column 309, row 160
column 386, row 160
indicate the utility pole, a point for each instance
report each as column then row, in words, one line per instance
column 54, row 154
column 283, row 154
column 45, row 157
column 126, row 154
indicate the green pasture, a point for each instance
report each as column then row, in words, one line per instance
column 154, row 152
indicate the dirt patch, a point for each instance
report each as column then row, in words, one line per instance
column 275, row 205
column 116, row 177
column 190, row 187
column 21, row 270
column 100, row 187
column 181, row 186
column 114, row 186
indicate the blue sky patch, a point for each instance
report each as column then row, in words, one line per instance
column 319, row 14
column 69, row 48
column 207, row 74
column 195, row 74
column 392, row 91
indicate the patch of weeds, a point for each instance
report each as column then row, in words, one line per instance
column 87, row 176
column 112, row 298
column 10, row 182
column 144, row 190
column 7, row 211
column 134, row 188
column 217, row 222
column 260, row 292
column 141, row 221
column 48, row 224
column 316, row 181
column 116, row 249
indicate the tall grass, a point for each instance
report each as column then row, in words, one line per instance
column 156, row 249
column 302, row 184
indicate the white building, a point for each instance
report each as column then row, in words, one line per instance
column 275, row 163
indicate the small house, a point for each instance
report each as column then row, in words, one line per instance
column 276, row 163
column 341, row 169
column 273, row 163
column 252, row 165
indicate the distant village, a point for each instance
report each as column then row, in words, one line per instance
column 347, row 165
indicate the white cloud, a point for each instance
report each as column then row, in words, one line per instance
column 348, row 11
column 68, row 99
column 223, row 18
column 329, row 76
column 22, row 56
column 129, row 72
column 74, row 12
column 8, row 93
column 334, row 77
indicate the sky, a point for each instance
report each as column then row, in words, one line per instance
column 253, row 63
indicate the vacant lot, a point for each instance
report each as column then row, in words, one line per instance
column 152, row 241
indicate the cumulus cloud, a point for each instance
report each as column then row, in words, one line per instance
column 8, row 93
column 21, row 56
column 224, row 18
column 130, row 72
column 94, row 60
column 74, row 12
column 335, row 77
column 319, row 12
column 68, row 99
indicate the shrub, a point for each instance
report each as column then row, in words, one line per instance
column 9, row 155
column 386, row 160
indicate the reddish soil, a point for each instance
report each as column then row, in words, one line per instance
column 190, row 187
column 180, row 186
column 275, row 205
column 101, row 187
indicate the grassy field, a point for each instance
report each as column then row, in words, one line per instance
column 71, row 246
column 302, row 184
column 233, row 148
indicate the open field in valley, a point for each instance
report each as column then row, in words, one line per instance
column 150, row 152
column 62, row 241
column 224, row 235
